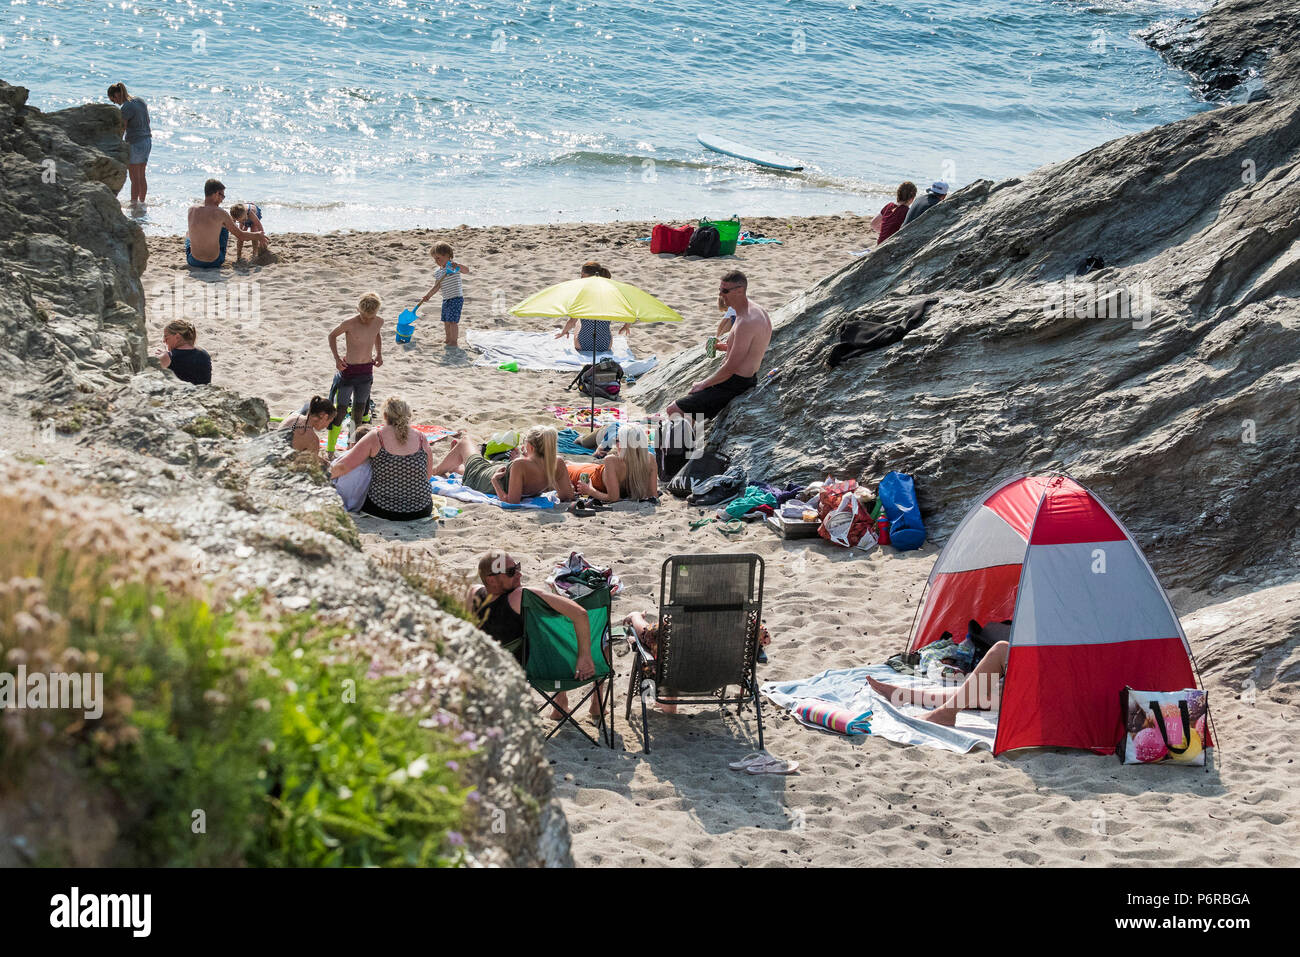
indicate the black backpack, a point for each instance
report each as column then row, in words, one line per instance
column 674, row 442
column 704, row 242
column 595, row 380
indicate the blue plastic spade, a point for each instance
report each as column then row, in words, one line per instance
column 407, row 317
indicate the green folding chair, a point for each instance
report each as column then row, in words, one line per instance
column 551, row 654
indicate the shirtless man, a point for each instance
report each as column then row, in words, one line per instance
column 750, row 336
column 364, row 351
column 210, row 229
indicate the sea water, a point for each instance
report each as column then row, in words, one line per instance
column 376, row 114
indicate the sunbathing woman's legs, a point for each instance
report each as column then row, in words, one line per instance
column 981, row 689
column 461, row 450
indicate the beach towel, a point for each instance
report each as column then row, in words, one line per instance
column 451, row 488
column 816, row 713
column 567, row 444
column 539, row 351
column 580, row 416
column 847, row 689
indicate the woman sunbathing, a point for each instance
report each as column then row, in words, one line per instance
column 982, row 689
column 627, row 472
column 539, row 469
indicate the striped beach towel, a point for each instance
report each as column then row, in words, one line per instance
column 817, row 713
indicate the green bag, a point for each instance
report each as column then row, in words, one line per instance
column 728, row 233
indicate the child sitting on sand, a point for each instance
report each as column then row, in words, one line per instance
column 179, row 354
column 248, row 217
column 364, row 354
column 448, row 279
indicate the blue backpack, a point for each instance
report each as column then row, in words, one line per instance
column 897, row 496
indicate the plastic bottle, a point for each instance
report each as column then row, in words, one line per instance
column 511, row 366
column 882, row 530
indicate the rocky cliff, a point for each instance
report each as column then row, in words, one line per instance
column 1168, row 381
column 95, row 417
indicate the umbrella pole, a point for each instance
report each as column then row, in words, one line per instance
column 593, row 395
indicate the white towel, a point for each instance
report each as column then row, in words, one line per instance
column 541, row 351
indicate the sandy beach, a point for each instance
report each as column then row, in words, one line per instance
column 854, row 802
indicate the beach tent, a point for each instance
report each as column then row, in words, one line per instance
column 1088, row 615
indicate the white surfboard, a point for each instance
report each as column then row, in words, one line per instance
column 748, row 154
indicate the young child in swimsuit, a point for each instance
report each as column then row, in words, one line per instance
column 453, row 296
column 248, row 217
column 364, row 354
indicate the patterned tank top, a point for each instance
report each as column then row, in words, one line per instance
column 400, row 483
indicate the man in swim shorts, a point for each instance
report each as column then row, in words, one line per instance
column 750, row 335
column 210, row 227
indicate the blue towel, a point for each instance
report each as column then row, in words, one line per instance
column 567, row 443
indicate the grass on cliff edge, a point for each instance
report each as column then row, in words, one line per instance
column 227, row 737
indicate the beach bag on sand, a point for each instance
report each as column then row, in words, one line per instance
column 831, row 493
column 705, row 242
column 1164, row 726
column 897, row 495
column 848, row 523
column 670, row 239
column 699, row 469
column 600, row 381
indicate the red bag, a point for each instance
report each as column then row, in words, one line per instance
column 670, row 239
column 831, row 493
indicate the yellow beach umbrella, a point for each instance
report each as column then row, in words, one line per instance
column 597, row 299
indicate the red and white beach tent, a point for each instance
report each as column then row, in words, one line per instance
column 1087, row 613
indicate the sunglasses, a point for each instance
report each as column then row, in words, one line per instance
column 727, row 289
column 511, row 570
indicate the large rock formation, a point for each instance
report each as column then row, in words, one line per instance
column 196, row 464
column 1168, row 381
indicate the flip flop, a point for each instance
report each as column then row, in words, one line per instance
column 773, row 766
column 754, row 757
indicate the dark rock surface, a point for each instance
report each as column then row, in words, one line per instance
column 1181, row 412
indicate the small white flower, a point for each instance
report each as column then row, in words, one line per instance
column 418, row 767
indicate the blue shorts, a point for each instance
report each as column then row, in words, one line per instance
column 139, row 151
column 451, row 309
column 221, row 256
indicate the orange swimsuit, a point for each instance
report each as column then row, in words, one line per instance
column 595, row 474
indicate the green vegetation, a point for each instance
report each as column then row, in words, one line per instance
column 449, row 589
column 228, row 737
column 308, row 464
column 334, row 520
column 202, row 427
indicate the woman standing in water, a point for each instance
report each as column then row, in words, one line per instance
column 138, row 136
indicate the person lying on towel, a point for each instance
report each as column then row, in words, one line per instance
column 982, row 690
column 538, row 469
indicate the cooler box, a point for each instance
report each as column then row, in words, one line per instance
column 670, row 239
column 728, row 233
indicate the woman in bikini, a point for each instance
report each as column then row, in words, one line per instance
column 301, row 427
column 538, row 469
column 627, row 472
